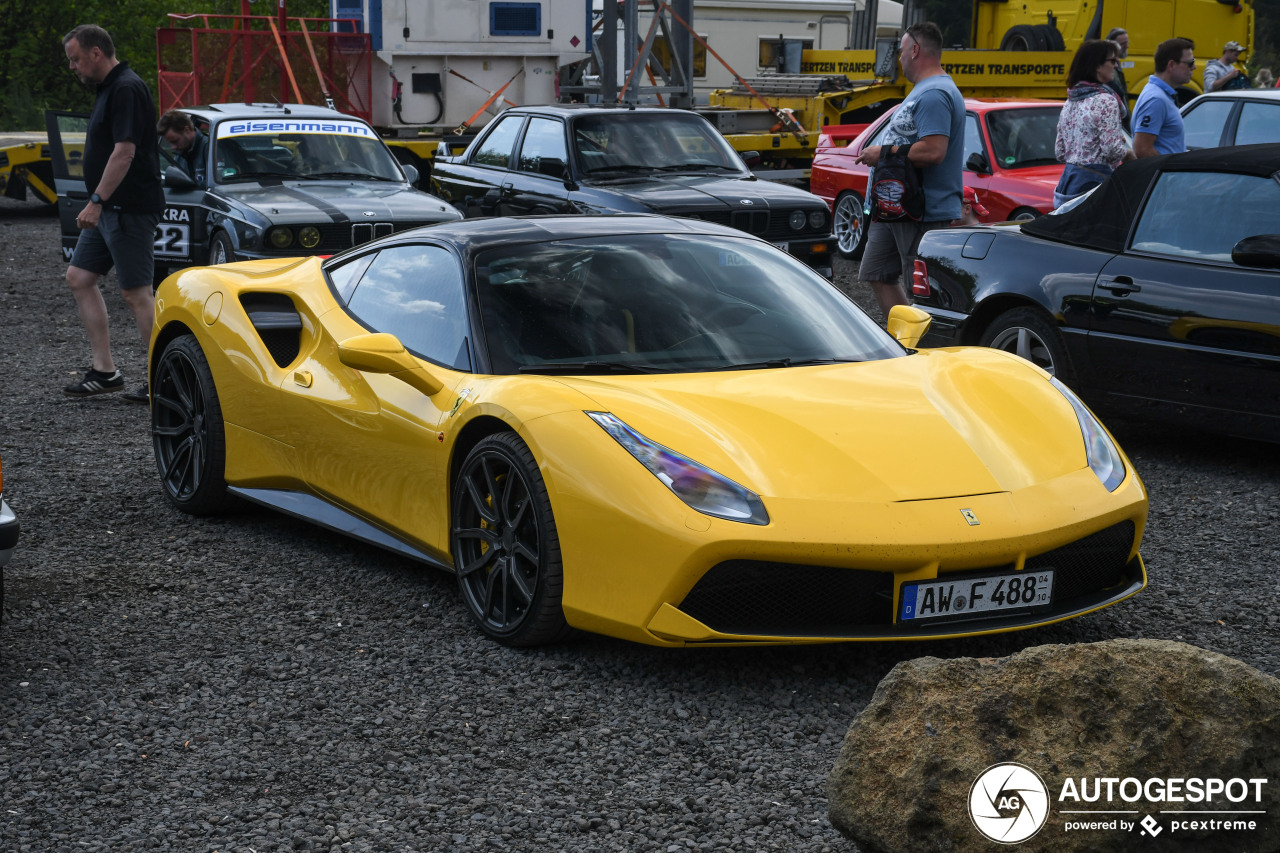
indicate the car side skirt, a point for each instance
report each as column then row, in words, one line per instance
column 320, row 512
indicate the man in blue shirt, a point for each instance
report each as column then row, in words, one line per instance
column 930, row 120
column 1157, row 123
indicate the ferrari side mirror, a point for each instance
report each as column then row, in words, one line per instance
column 383, row 353
column 908, row 324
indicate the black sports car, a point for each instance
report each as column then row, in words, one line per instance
column 1156, row 295
column 591, row 159
column 285, row 180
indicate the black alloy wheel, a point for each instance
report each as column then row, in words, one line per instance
column 505, row 547
column 187, row 432
column 1028, row 333
column 849, row 225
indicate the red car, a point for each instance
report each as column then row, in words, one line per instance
column 1008, row 160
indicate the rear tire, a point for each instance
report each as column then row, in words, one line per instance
column 1023, row 214
column 187, row 432
column 505, row 547
column 1028, row 333
column 849, row 225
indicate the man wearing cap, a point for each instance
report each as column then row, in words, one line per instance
column 1220, row 74
column 970, row 208
column 1157, row 123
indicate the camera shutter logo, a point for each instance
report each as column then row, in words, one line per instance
column 1009, row 803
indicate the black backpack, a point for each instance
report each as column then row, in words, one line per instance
column 896, row 193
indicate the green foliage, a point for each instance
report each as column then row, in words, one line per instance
column 33, row 67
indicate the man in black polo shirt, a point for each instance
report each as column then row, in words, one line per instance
column 122, row 175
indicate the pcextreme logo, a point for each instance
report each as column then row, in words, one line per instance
column 1009, row 803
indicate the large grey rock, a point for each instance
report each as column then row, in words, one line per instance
column 1140, row 709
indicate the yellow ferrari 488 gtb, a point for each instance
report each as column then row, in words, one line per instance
column 662, row 430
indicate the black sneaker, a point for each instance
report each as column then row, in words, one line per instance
column 141, row 394
column 95, row 382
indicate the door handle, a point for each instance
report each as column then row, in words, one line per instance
column 302, row 377
column 1121, row 285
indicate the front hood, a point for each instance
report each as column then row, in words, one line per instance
column 339, row 201
column 937, row 424
column 1047, row 175
column 671, row 194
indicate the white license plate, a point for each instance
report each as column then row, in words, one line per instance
column 960, row 599
column 786, row 247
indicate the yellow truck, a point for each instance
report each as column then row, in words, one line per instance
column 1020, row 50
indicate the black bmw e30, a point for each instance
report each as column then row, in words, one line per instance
column 283, row 180
column 575, row 158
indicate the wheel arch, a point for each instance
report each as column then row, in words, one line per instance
column 167, row 335
column 989, row 309
column 472, row 433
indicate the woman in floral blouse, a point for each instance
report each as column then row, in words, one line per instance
column 1091, row 140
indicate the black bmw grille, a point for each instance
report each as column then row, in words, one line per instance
column 758, row 597
column 769, row 224
column 339, row 236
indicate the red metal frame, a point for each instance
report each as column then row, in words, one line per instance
column 205, row 59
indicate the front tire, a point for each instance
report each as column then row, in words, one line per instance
column 187, row 431
column 1028, row 333
column 1023, row 214
column 505, row 546
column 220, row 250
column 849, row 225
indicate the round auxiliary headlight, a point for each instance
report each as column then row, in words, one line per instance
column 309, row 237
column 797, row 219
column 817, row 219
column 280, row 238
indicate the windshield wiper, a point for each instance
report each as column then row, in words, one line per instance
column 697, row 167
column 787, row 362
column 627, row 169
column 573, row 367
column 366, row 176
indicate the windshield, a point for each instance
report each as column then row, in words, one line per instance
column 1024, row 137
column 644, row 142
column 664, row 303
column 301, row 150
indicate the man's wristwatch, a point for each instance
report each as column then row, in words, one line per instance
column 96, row 199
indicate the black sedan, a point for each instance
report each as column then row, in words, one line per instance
column 284, row 180
column 584, row 159
column 1157, row 295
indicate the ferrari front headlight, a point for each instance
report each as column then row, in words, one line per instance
column 696, row 485
column 1101, row 452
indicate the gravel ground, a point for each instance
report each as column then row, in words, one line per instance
column 252, row 683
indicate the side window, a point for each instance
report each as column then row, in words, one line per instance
column 544, row 140
column 416, row 293
column 1258, row 122
column 1203, row 125
column 495, row 148
column 972, row 138
column 344, row 277
column 1202, row 215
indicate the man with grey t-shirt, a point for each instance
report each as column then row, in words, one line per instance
column 929, row 120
